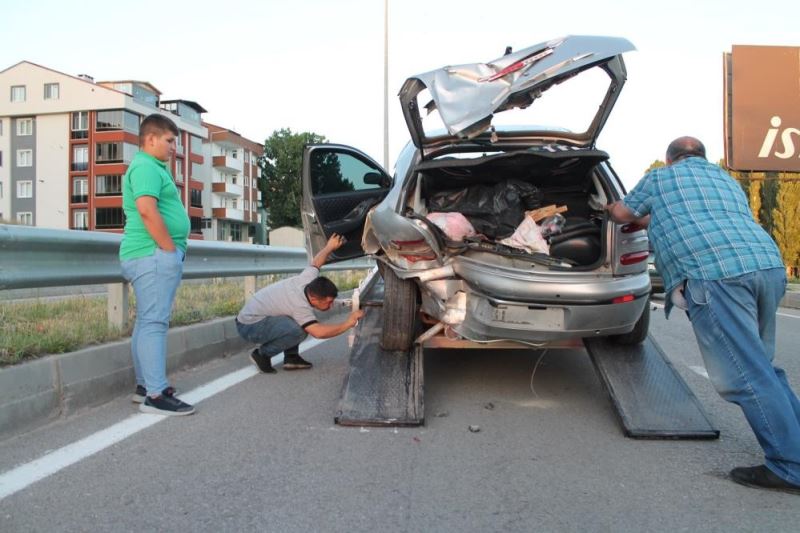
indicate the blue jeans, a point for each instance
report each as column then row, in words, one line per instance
column 734, row 322
column 155, row 280
column 275, row 334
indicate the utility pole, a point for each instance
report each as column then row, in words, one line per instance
column 386, row 85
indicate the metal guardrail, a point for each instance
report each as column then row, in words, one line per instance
column 37, row 257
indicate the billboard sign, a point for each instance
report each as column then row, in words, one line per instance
column 762, row 108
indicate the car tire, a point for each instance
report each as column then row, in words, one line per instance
column 639, row 332
column 400, row 309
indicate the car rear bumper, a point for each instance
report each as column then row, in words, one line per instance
column 491, row 319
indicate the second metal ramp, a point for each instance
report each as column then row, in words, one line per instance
column 381, row 388
column 651, row 398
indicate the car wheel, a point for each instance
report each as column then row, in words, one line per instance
column 639, row 332
column 400, row 307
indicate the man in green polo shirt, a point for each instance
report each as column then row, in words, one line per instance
column 151, row 254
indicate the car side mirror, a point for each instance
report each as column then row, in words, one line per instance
column 376, row 178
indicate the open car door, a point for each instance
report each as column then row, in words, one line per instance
column 340, row 186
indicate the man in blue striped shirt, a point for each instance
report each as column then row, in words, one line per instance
column 727, row 272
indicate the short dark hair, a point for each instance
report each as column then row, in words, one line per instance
column 684, row 147
column 158, row 125
column 322, row 287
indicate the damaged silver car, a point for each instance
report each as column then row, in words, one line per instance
column 491, row 225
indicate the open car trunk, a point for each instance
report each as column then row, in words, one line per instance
column 482, row 203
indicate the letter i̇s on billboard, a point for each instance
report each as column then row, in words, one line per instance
column 762, row 108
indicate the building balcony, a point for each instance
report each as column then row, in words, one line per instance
column 227, row 163
column 227, row 189
column 228, row 213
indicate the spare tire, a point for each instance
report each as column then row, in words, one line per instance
column 400, row 309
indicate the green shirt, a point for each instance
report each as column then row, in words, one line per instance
column 147, row 176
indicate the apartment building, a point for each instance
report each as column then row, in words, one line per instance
column 234, row 206
column 66, row 141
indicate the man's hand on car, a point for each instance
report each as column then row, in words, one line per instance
column 335, row 242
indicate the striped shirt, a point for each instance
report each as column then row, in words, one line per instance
column 700, row 224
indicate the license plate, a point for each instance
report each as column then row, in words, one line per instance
column 549, row 318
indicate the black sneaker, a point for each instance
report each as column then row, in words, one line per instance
column 761, row 477
column 262, row 362
column 166, row 405
column 141, row 393
column 295, row 362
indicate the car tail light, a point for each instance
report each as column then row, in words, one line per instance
column 623, row 299
column 413, row 251
column 634, row 257
column 632, row 227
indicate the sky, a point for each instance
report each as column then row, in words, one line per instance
column 317, row 65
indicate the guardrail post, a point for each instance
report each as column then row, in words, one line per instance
column 118, row 305
column 249, row 287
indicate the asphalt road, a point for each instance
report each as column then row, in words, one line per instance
column 264, row 455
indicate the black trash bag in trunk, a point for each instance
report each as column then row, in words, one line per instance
column 493, row 210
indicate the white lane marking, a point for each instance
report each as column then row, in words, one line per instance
column 699, row 370
column 24, row 475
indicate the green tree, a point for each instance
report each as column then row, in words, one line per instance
column 786, row 220
column 280, row 171
column 769, row 201
column 655, row 164
column 754, row 196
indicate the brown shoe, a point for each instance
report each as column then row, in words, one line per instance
column 761, row 477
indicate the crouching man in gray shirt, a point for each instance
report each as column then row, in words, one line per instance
column 281, row 315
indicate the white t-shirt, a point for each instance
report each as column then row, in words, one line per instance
column 284, row 298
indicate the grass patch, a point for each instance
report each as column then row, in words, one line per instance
column 30, row 329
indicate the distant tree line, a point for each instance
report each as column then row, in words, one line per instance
column 775, row 203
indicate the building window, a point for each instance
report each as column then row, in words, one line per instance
column 197, row 171
column 80, row 125
column 179, row 144
column 25, row 217
column 196, row 145
column 80, row 157
column 109, row 218
column 1, row 159
column 206, row 223
column 117, row 120
column 179, row 170
column 25, row 189
column 109, row 152
column 236, row 232
column 246, row 181
column 80, row 190
column 80, row 219
column 24, row 126
column 51, row 91
column 24, row 158
column 108, row 185
column 196, row 199
column 247, row 205
column 18, row 93
column 196, row 224
column 1, row 127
